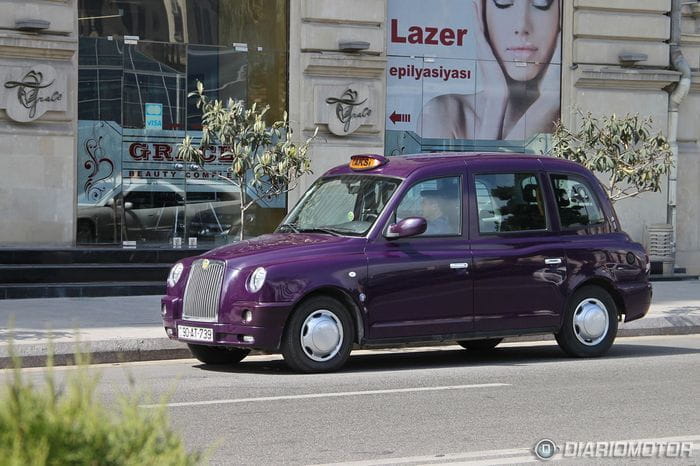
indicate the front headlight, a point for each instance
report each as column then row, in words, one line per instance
column 256, row 280
column 175, row 274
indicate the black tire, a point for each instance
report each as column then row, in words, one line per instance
column 218, row 355
column 570, row 335
column 300, row 357
column 480, row 345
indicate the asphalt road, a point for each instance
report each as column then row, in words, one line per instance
column 418, row 406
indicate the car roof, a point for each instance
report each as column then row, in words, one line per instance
column 405, row 165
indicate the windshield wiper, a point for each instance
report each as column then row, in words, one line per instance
column 291, row 226
column 329, row 231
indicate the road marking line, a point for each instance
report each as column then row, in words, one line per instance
column 488, row 457
column 328, row 395
column 497, row 461
column 439, row 459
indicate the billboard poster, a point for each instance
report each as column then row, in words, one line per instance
column 472, row 74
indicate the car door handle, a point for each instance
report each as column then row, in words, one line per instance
column 553, row 261
column 459, row 265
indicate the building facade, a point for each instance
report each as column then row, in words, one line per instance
column 91, row 158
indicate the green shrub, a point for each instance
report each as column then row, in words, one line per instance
column 67, row 425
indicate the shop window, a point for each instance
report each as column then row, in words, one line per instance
column 259, row 23
column 179, row 42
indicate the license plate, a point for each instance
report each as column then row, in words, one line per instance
column 195, row 333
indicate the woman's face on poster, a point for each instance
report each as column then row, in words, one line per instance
column 523, row 31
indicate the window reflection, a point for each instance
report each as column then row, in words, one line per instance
column 576, row 203
column 509, row 202
column 154, row 73
column 222, row 70
column 259, row 23
column 129, row 186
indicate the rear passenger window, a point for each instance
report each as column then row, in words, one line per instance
column 577, row 205
column 509, row 202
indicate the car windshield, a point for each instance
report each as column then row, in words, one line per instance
column 341, row 205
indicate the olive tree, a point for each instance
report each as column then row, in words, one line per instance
column 265, row 162
column 622, row 148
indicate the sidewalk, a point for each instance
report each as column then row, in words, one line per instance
column 122, row 329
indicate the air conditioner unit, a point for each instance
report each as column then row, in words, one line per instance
column 660, row 247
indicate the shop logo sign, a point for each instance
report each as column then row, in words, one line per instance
column 154, row 116
column 95, row 184
column 350, row 110
column 31, row 93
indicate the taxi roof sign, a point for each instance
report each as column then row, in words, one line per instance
column 367, row 162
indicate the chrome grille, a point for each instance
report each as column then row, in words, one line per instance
column 203, row 291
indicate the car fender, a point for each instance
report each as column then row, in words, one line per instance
column 342, row 277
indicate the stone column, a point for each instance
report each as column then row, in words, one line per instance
column 343, row 93
column 38, row 115
column 599, row 38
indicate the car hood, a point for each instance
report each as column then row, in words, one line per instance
column 282, row 247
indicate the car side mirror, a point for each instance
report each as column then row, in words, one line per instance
column 410, row 226
column 128, row 206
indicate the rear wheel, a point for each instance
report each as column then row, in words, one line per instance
column 480, row 345
column 319, row 336
column 218, row 354
column 590, row 323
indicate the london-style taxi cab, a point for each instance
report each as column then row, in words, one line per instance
column 464, row 247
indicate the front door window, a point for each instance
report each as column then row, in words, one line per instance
column 438, row 201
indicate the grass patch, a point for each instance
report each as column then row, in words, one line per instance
column 66, row 424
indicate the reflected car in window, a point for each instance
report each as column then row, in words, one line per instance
column 157, row 212
column 471, row 248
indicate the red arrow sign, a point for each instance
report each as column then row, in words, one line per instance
column 402, row 117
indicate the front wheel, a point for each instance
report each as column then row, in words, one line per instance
column 590, row 323
column 218, row 355
column 319, row 336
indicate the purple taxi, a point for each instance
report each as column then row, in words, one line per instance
column 469, row 248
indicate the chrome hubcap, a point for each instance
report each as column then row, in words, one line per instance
column 321, row 335
column 591, row 321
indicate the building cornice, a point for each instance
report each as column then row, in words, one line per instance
column 607, row 77
column 13, row 46
column 690, row 39
column 343, row 22
column 335, row 65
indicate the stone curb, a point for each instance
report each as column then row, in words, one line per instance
column 150, row 349
column 100, row 352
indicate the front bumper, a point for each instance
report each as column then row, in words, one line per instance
column 263, row 332
column 637, row 299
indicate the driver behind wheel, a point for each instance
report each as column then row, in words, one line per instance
column 432, row 205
